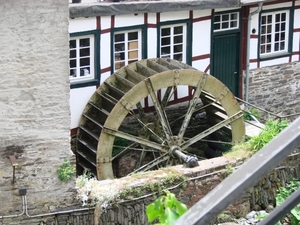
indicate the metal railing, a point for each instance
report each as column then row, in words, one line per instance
column 246, row 176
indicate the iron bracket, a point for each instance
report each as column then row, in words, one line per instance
column 14, row 163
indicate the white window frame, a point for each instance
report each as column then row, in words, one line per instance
column 126, row 49
column 172, row 54
column 273, row 33
column 230, row 22
column 91, row 75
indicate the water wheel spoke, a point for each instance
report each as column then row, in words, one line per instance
column 133, row 138
column 141, row 159
column 167, row 96
column 211, row 130
column 157, row 138
column 124, row 151
column 161, row 114
column 152, row 164
column 192, row 106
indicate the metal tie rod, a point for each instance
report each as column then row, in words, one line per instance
column 261, row 163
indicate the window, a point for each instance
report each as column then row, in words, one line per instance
column 274, row 33
column 226, row 21
column 82, row 58
column 173, row 42
column 127, row 48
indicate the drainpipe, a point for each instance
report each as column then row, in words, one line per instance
column 248, row 53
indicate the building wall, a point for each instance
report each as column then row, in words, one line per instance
column 201, row 42
column 34, row 104
column 276, row 88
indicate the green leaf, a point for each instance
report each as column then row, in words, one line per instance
column 181, row 208
column 170, row 216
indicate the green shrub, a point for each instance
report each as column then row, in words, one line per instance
column 272, row 128
column 284, row 193
column 66, row 171
column 167, row 209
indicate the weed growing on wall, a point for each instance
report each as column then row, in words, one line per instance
column 251, row 112
column 66, row 171
column 166, row 209
column 272, row 128
column 284, row 193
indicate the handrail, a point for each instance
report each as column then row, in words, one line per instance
column 245, row 177
column 266, row 111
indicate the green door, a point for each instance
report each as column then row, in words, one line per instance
column 225, row 60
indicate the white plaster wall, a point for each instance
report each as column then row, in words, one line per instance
column 152, row 18
column 129, row 20
column 201, row 13
column 201, row 64
column 277, row 6
column 105, row 22
column 201, row 38
column 105, row 50
column 170, row 16
column 82, row 24
column 104, row 76
column 152, row 41
column 79, row 97
column 273, row 62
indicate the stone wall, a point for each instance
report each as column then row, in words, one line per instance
column 276, row 88
column 34, row 104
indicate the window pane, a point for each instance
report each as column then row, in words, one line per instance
column 217, row 18
column 178, row 57
column 73, row 44
column 177, row 48
column 73, row 53
column 72, row 72
column 166, row 41
column 178, row 39
column 132, row 36
column 224, row 25
column 119, row 47
column 84, row 71
column 84, row 42
column 233, row 24
column 276, row 47
column 269, row 19
column 119, row 37
column 225, row 17
column 217, row 26
column 84, row 52
column 269, row 29
column 277, row 18
column 133, row 55
column 165, row 50
column 283, row 17
column 263, row 20
column 84, row 62
column 282, row 45
column 165, row 32
column 119, row 65
column 262, row 49
column 73, row 63
column 178, row 30
column 283, row 27
column 277, row 37
column 233, row 16
column 133, row 45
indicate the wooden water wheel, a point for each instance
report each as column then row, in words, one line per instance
column 135, row 121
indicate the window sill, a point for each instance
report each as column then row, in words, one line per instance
column 85, row 83
column 274, row 56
